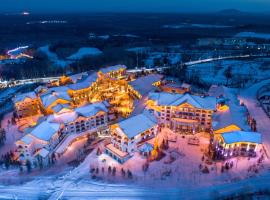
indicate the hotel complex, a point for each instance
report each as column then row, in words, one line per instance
column 131, row 112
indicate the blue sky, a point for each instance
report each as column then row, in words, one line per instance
column 132, row 5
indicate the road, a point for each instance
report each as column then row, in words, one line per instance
column 249, row 97
column 13, row 83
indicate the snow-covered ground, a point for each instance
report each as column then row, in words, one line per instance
column 213, row 72
column 184, row 25
column 248, row 96
column 253, row 35
column 82, row 52
column 185, row 181
column 53, row 57
column 85, row 51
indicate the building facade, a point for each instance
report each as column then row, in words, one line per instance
column 183, row 113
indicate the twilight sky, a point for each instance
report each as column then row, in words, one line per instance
column 132, row 5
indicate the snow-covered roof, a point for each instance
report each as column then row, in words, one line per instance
column 54, row 94
column 40, row 88
column 76, row 77
column 22, row 97
column 63, row 118
column 144, row 84
column 242, row 136
column 45, row 130
column 84, row 83
column 57, row 108
column 112, row 68
column 27, row 139
column 136, row 125
column 235, row 115
column 91, row 109
column 146, row 147
column 43, row 152
column 169, row 99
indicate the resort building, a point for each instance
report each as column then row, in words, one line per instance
column 145, row 84
column 128, row 135
column 176, row 88
column 26, row 105
column 54, row 100
column 237, row 143
column 184, row 113
column 88, row 119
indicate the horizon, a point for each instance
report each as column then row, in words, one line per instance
column 139, row 6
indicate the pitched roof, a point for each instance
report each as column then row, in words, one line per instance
column 22, row 97
column 235, row 115
column 63, row 118
column 45, row 130
column 57, row 108
column 242, row 136
column 136, row 125
column 91, row 109
column 144, row 84
column 84, row 83
column 27, row 139
column 169, row 99
column 77, row 77
column 53, row 94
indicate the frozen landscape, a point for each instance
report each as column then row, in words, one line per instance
column 134, row 100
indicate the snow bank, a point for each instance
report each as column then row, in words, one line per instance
column 253, row 35
column 85, row 51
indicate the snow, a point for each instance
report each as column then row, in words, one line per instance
column 248, row 96
column 84, row 83
column 213, row 72
column 126, row 35
column 42, row 152
column 21, row 97
column 170, row 99
column 242, row 136
column 184, row 25
column 235, row 115
column 104, row 37
column 139, row 49
column 144, row 84
column 45, row 130
column 85, row 51
column 146, row 147
column 253, row 35
column 53, row 94
column 91, row 109
column 133, row 126
column 53, row 57
column 27, row 139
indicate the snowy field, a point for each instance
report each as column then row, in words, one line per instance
column 180, row 179
column 265, row 36
column 184, row 25
column 213, row 72
column 82, row 52
column 85, row 51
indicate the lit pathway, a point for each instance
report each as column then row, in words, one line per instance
column 248, row 96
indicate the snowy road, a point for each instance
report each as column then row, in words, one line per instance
column 248, row 96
